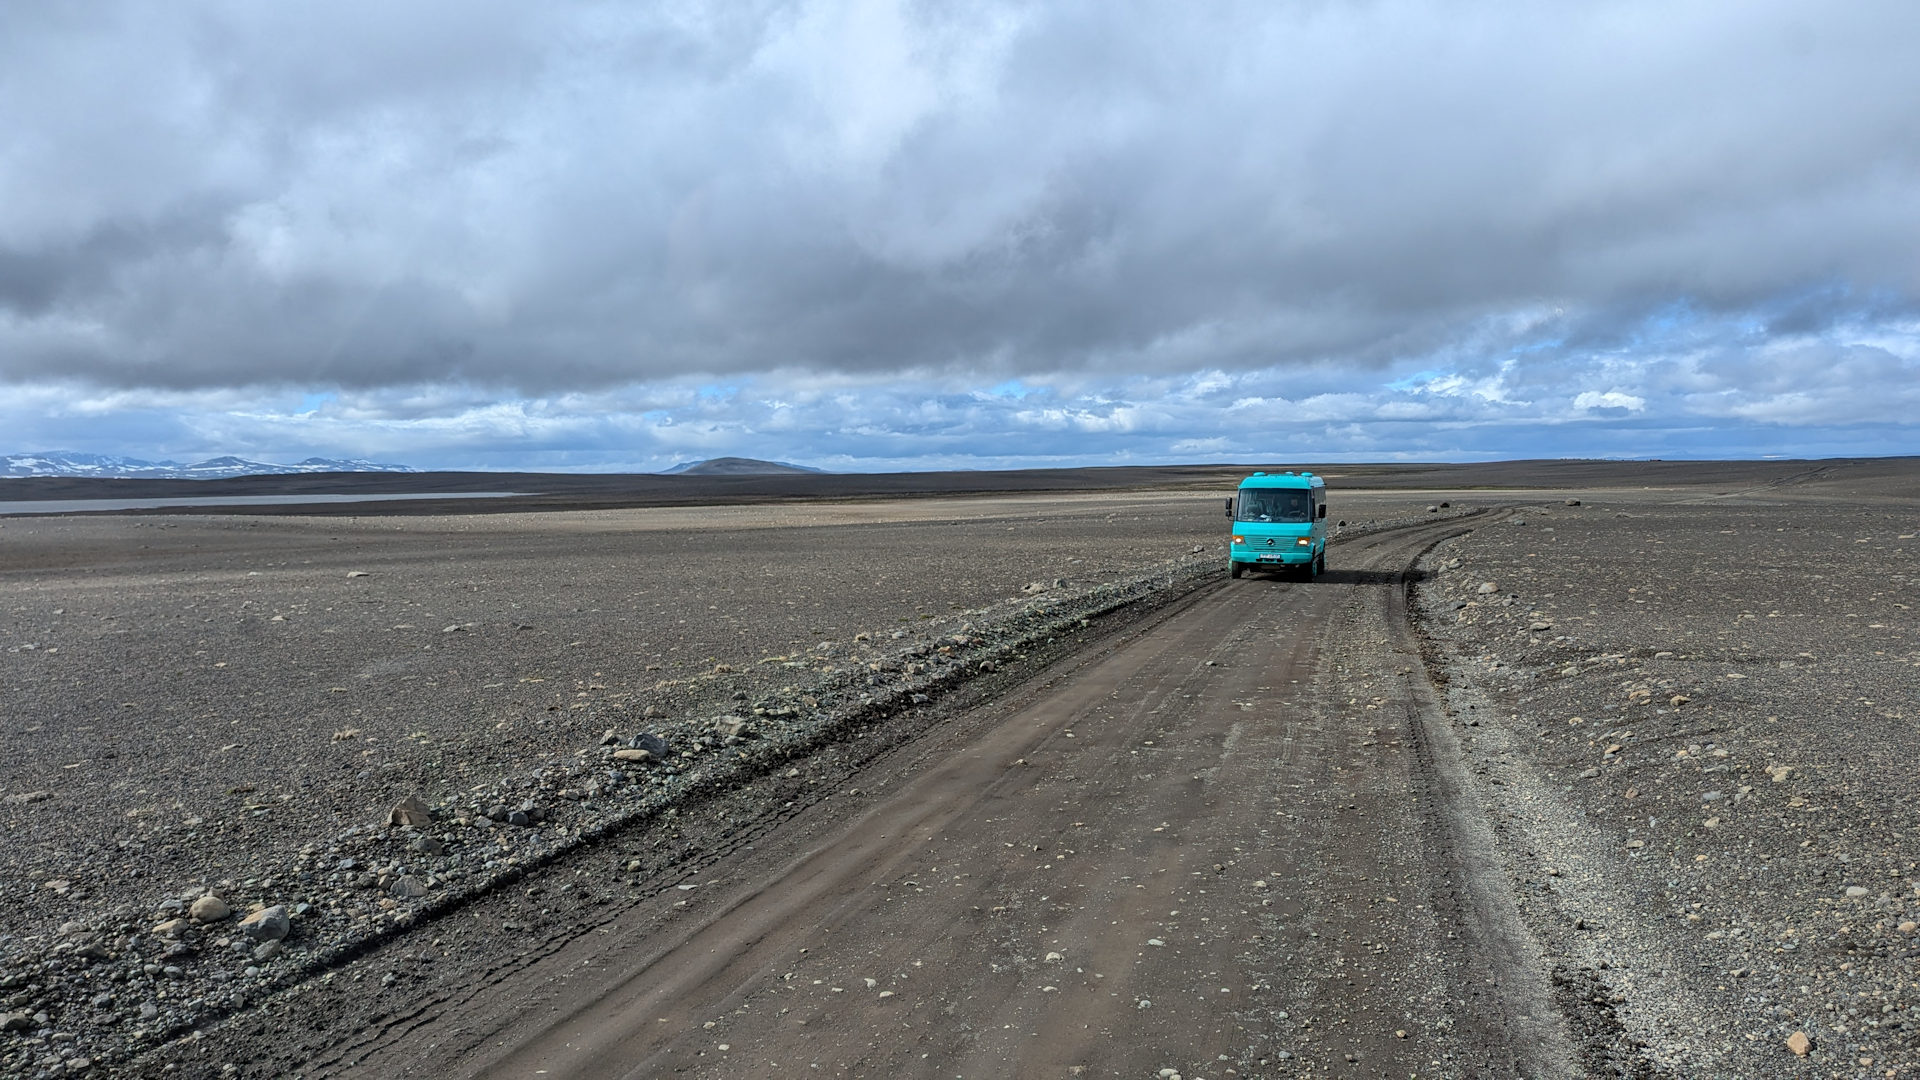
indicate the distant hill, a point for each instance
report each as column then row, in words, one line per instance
column 71, row 463
column 737, row 466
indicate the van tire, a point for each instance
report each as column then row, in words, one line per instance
column 1234, row 569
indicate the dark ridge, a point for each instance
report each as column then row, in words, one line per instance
column 738, row 466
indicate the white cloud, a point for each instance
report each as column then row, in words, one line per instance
column 1611, row 399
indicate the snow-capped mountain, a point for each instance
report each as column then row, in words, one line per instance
column 68, row 463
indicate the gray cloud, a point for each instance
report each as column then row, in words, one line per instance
column 544, row 198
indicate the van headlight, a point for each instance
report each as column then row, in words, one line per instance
column 1239, row 539
column 1305, row 541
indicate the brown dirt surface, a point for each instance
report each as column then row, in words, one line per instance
column 982, row 750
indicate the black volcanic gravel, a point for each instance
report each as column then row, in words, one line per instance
column 1696, row 722
column 190, row 688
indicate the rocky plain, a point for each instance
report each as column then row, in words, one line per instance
column 243, row 751
column 1695, row 718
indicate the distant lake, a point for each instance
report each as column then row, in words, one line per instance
column 85, row 506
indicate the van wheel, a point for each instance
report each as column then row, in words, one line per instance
column 1235, row 569
column 1319, row 564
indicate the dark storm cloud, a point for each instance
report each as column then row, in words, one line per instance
column 545, row 197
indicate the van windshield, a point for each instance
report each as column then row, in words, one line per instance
column 1274, row 504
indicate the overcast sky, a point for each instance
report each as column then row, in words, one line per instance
column 480, row 234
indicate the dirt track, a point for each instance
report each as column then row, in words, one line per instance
column 1218, row 844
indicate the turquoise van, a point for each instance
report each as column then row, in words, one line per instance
column 1279, row 523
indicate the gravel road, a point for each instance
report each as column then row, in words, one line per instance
column 1207, row 843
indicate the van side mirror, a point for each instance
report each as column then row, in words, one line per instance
column 1323, row 511
column 1229, row 507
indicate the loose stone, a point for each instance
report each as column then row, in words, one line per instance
column 267, row 924
column 410, row 811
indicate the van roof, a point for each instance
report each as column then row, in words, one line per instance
column 1300, row 479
